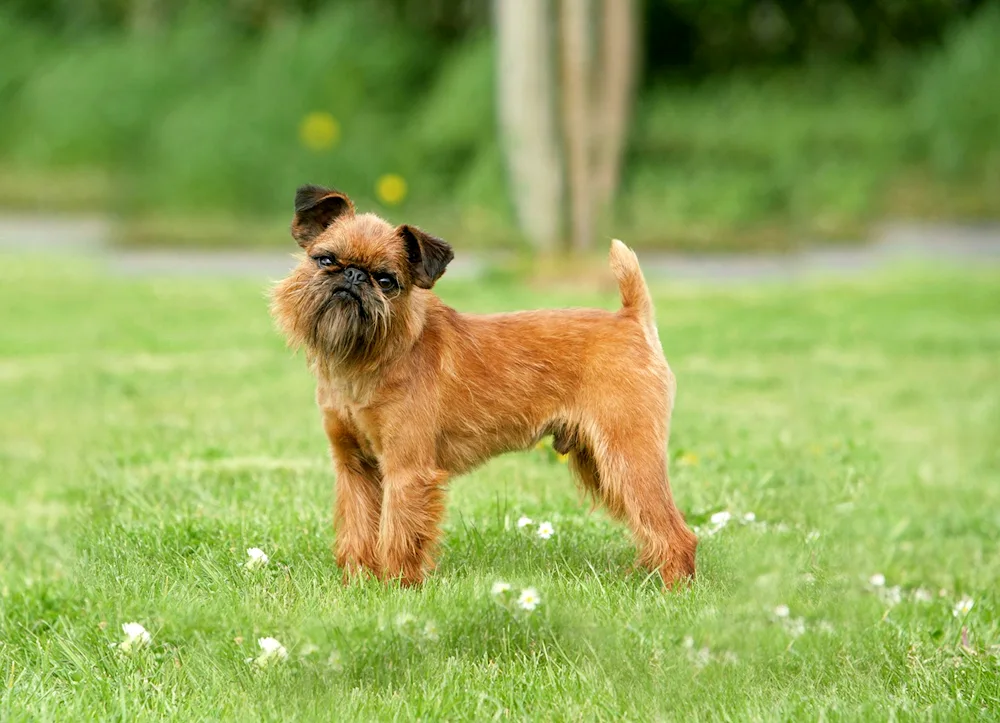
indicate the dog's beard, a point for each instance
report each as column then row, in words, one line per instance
column 350, row 325
column 336, row 323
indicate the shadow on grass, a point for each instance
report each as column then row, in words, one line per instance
column 583, row 548
column 389, row 654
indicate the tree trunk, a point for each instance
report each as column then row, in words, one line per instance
column 144, row 17
column 575, row 35
column 526, row 100
column 615, row 95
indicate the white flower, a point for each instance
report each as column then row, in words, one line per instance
column 524, row 521
column 782, row 611
column 271, row 646
column 258, row 558
column 812, row 536
column 688, row 642
column 308, row 649
column 271, row 652
column 877, row 580
column 404, row 620
column 721, row 518
column 826, row 627
column 718, row 520
column 431, row 630
column 923, row 596
column 545, row 530
column 500, row 588
column 749, row 517
column 892, row 595
column 963, row 606
column 136, row 637
column 529, row 599
column 335, row 660
column 795, row 627
column 701, row 657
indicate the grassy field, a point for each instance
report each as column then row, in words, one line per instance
column 153, row 430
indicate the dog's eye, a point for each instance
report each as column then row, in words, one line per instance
column 386, row 282
column 323, row 261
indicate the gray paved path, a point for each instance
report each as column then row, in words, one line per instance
column 894, row 244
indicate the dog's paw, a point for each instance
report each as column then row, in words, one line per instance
column 354, row 571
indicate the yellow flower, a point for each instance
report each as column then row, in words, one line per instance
column 564, row 458
column 688, row 459
column 391, row 189
column 319, row 131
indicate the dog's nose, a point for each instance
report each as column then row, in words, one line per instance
column 354, row 275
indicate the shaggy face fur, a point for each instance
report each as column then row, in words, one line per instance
column 348, row 302
column 413, row 392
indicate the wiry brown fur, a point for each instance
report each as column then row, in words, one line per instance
column 412, row 392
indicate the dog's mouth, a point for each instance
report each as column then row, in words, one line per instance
column 346, row 297
column 345, row 294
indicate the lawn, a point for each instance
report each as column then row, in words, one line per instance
column 153, row 430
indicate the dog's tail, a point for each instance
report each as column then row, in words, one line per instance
column 636, row 300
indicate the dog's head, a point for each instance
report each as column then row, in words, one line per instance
column 355, row 294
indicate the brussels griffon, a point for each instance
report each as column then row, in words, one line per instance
column 413, row 392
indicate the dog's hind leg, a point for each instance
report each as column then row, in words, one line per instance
column 633, row 483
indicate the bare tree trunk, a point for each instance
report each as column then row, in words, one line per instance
column 615, row 95
column 144, row 16
column 526, row 94
column 575, row 32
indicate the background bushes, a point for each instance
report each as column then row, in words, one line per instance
column 775, row 118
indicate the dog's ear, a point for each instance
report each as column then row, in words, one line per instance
column 428, row 255
column 315, row 209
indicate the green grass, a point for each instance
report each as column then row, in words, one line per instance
column 155, row 429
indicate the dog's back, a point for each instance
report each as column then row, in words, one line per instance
column 517, row 376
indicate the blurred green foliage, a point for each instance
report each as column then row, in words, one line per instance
column 810, row 149
column 956, row 106
column 196, row 112
column 694, row 36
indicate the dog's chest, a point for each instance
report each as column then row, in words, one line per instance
column 356, row 413
column 366, row 427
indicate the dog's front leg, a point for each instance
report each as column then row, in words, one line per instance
column 412, row 508
column 358, row 500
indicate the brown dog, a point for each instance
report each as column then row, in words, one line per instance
column 413, row 392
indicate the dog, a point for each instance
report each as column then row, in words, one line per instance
column 413, row 392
